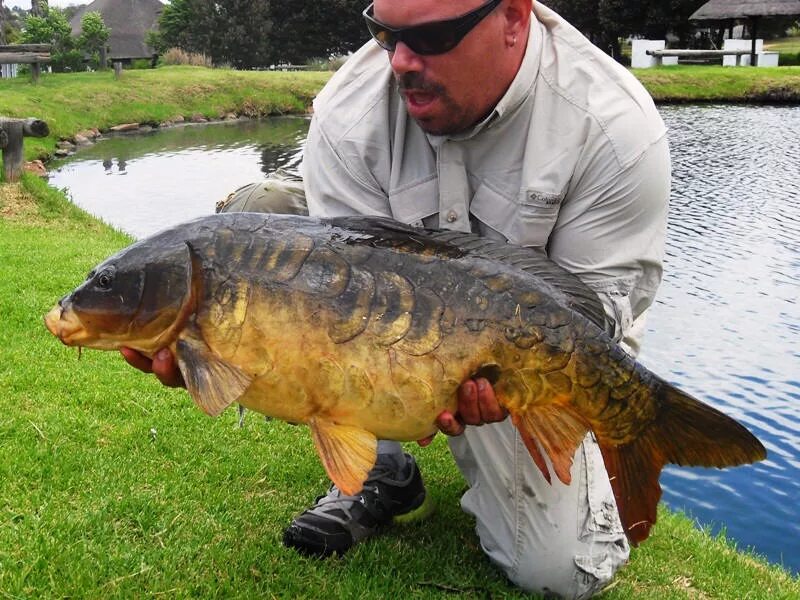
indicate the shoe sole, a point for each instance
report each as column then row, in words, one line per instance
column 423, row 511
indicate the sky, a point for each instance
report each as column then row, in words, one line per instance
column 26, row 4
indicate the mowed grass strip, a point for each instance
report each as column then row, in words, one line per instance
column 71, row 102
column 112, row 486
column 698, row 83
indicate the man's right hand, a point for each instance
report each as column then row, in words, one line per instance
column 162, row 365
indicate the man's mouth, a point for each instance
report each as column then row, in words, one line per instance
column 419, row 98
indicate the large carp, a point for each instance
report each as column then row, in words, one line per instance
column 363, row 329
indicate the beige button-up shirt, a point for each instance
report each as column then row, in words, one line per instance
column 573, row 158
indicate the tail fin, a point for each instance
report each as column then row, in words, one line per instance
column 685, row 432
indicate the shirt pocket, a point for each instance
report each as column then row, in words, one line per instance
column 526, row 220
column 411, row 204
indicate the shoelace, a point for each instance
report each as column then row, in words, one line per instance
column 335, row 500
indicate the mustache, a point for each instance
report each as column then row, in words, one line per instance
column 416, row 81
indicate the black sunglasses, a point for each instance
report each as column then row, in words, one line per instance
column 434, row 37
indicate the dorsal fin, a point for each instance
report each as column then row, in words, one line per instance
column 555, row 280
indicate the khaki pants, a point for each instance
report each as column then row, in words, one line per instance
column 551, row 539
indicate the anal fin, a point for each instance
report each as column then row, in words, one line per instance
column 347, row 453
column 558, row 431
column 213, row 383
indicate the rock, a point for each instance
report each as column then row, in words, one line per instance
column 89, row 134
column 36, row 167
column 178, row 119
column 125, row 127
column 197, row 118
column 230, row 116
column 65, row 145
column 61, row 152
column 82, row 140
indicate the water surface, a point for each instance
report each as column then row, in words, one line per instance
column 726, row 323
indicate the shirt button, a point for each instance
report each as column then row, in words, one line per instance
column 452, row 216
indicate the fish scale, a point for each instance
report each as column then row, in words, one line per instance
column 364, row 328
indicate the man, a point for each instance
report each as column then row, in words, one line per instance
column 499, row 118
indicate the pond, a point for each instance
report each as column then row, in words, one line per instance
column 726, row 323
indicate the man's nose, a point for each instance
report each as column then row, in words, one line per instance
column 405, row 60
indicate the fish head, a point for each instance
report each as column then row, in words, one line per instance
column 139, row 298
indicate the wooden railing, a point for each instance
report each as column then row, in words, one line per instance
column 26, row 54
column 12, row 132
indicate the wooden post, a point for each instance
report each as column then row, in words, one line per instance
column 753, row 35
column 12, row 132
column 36, row 70
column 117, row 69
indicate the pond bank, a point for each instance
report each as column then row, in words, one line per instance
column 204, row 502
column 77, row 103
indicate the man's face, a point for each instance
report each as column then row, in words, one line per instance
column 447, row 93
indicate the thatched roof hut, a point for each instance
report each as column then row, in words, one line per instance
column 724, row 10
column 129, row 21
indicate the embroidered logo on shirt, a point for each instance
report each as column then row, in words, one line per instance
column 544, row 198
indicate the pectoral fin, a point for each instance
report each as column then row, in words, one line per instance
column 212, row 383
column 347, row 453
column 558, row 431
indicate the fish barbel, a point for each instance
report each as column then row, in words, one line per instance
column 363, row 329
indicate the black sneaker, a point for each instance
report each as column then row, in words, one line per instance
column 337, row 522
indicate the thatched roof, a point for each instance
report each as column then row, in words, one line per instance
column 720, row 10
column 129, row 21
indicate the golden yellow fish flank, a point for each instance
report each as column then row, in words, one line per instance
column 363, row 329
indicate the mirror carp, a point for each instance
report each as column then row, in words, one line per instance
column 363, row 328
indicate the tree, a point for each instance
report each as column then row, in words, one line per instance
column 3, row 19
column 258, row 33
column 53, row 29
column 307, row 29
column 39, row 8
column 236, row 32
column 175, row 28
column 94, row 35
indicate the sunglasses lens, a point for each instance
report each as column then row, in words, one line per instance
column 431, row 39
column 385, row 38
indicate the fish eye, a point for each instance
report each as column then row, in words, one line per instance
column 104, row 279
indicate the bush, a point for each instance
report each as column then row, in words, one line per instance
column 325, row 64
column 71, row 61
column 176, row 56
column 787, row 59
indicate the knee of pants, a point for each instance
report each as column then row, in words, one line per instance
column 563, row 574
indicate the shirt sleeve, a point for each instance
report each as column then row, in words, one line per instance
column 334, row 186
column 611, row 232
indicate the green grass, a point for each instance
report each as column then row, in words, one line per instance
column 787, row 44
column 74, row 102
column 112, row 486
column 694, row 83
column 77, row 101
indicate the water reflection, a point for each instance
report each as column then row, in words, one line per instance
column 726, row 324
column 176, row 174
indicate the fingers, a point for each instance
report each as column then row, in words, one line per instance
column 137, row 360
column 162, row 365
column 426, row 441
column 477, row 403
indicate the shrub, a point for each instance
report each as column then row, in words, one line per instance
column 786, row 59
column 176, row 56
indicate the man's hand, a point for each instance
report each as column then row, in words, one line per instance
column 162, row 365
column 477, row 405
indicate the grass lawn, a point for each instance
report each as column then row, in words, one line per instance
column 787, row 44
column 112, row 486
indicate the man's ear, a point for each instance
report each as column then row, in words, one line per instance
column 518, row 17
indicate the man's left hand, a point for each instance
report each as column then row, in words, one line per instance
column 477, row 405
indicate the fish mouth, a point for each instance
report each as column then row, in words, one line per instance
column 65, row 325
